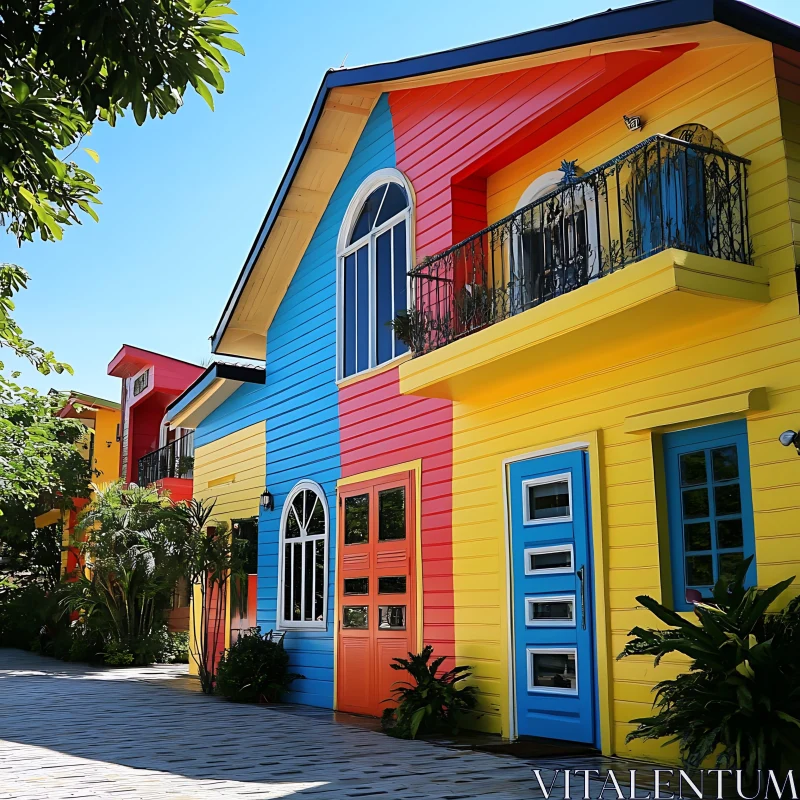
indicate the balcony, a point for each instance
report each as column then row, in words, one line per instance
column 558, row 271
column 663, row 193
column 174, row 460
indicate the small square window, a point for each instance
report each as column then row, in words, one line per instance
column 388, row 584
column 553, row 671
column 355, row 617
column 392, row 514
column 557, row 559
column 550, row 611
column 548, row 500
column 356, row 519
column 392, row 618
column 356, row 585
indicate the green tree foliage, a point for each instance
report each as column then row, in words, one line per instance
column 740, row 698
column 66, row 65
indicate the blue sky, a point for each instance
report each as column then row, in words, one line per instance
column 183, row 197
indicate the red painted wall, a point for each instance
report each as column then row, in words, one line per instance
column 450, row 137
column 380, row 428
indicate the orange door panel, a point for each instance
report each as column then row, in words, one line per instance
column 376, row 570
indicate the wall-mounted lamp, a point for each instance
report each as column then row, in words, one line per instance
column 267, row 500
column 789, row 438
column 633, row 123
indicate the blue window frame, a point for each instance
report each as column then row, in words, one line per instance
column 710, row 506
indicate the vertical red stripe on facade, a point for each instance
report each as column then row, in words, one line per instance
column 450, row 137
column 381, row 428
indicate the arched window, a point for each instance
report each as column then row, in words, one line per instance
column 374, row 257
column 303, row 560
column 556, row 245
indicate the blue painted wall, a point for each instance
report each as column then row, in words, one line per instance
column 244, row 407
column 300, row 401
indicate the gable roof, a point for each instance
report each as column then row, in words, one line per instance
column 632, row 21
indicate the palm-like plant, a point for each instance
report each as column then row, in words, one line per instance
column 433, row 702
column 133, row 544
column 741, row 696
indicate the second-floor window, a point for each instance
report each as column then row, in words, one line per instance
column 374, row 259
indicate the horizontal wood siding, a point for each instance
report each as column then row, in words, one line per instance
column 231, row 471
column 733, row 91
column 450, row 134
column 301, row 400
column 381, row 428
column 242, row 409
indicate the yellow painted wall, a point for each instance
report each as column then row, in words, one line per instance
column 232, row 471
column 106, row 446
column 732, row 90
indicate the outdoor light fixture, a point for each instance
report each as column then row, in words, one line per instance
column 789, row 438
column 267, row 500
column 633, row 123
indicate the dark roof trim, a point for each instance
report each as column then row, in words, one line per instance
column 631, row 21
column 221, row 369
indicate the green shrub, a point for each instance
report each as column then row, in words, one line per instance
column 255, row 669
column 118, row 654
column 741, row 695
column 432, row 703
column 178, row 648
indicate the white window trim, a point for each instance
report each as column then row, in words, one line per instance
column 293, row 624
column 567, row 651
column 343, row 249
column 554, row 548
column 527, row 520
column 546, row 183
column 530, row 622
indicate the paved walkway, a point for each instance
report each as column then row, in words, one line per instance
column 72, row 731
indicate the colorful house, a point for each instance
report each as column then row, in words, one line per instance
column 586, row 238
column 153, row 452
column 100, row 448
column 230, row 472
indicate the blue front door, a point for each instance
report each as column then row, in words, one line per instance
column 552, row 596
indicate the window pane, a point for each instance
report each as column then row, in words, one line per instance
column 355, row 617
column 297, row 580
column 556, row 610
column 394, row 203
column 292, row 526
column 392, row 617
column 366, row 219
column 548, row 500
column 392, row 514
column 729, row 533
column 697, row 536
column 319, row 586
column 349, row 315
column 356, row 519
column 725, row 463
column 392, row 585
column 299, row 508
column 727, row 499
column 287, row 581
column 695, row 503
column 400, row 277
column 728, row 564
column 693, row 468
column 554, row 670
column 316, row 523
column 561, row 559
column 383, row 276
column 362, row 309
column 308, row 572
column 356, row 585
column 699, row 570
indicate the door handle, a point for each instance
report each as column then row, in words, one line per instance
column 581, row 573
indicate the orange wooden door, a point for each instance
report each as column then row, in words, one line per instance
column 376, row 570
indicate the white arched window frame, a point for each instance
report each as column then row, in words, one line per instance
column 586, row 202
column 303, row 559
column 400, row 224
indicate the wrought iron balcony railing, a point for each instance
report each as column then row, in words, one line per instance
column 665, row 192
column 175, row 460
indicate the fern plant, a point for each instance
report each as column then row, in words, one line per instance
column 428, row 703
column 740, row 698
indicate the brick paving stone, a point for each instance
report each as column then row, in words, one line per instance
column 75, row 731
